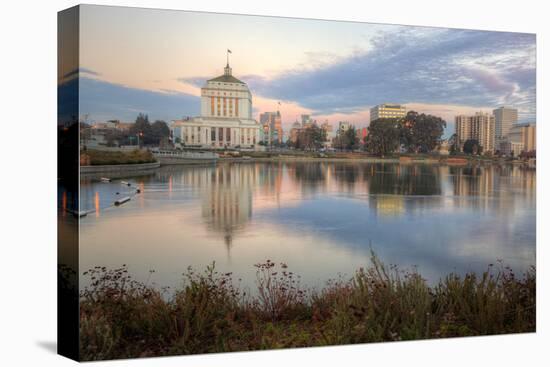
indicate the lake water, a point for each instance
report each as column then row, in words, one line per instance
column 320, row 218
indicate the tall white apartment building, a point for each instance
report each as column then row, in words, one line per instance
column 480, row 127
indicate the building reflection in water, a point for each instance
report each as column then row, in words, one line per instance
column 322, row 217
column 230, row 192
column 227, row 204
column 226, row 194
column 96, row 204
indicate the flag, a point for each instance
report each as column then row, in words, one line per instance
column 228, row 50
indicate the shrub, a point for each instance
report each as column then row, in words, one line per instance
column 120, row 317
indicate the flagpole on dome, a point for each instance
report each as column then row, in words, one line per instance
column 227, row 69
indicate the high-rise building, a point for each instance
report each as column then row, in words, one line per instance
column 480, row 127
column 524, row 134
column 387, row 110
column 272, row 126
column 329, row 131
column 530, row 137
column 294, row 132
column 505, row 118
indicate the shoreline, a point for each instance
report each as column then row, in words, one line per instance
column 404, row 160
column 118, row 168
column 399, row 160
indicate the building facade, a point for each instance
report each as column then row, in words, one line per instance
column 271, row 123
column 306, row 120
column 329, row 134
column 480, row 127
column 510, row 148
column 505, row 118
column 226, row 117
column 524, row 134
column 387, row 110
column 343, row 126
column 295, row 132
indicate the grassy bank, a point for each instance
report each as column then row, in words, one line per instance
column 298, row 155
column 100, row 158
column 123, row 318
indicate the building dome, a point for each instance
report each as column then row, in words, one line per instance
column 227, row 77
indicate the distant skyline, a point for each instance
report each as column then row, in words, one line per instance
column 155, row 61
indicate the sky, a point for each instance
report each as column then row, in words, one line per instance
column 136, row 60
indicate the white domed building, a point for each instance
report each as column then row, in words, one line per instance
column 226, row 117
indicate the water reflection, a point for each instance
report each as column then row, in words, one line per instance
column 321, row 217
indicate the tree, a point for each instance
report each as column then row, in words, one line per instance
column 311, row 138
column 471, row 146
column 346, row 139
column 159, row 130
column 384, row 136
column 149, row 134
column 350, row 138
column 141, row 128
column 421, row 132
column 453, row 144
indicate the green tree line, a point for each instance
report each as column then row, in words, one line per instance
column 415, row 133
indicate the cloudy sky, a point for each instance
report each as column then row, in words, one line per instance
column 155, row 61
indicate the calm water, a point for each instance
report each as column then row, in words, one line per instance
column 319, row 218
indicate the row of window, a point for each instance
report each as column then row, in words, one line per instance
column 248, row 136
column 228, row 104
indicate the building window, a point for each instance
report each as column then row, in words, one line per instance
column 227, row 134
column 212, row 105
column 236, row 107
column 213, row 134
column 220, row 134
column 224, row 106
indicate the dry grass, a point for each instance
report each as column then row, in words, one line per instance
column 122, row 318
